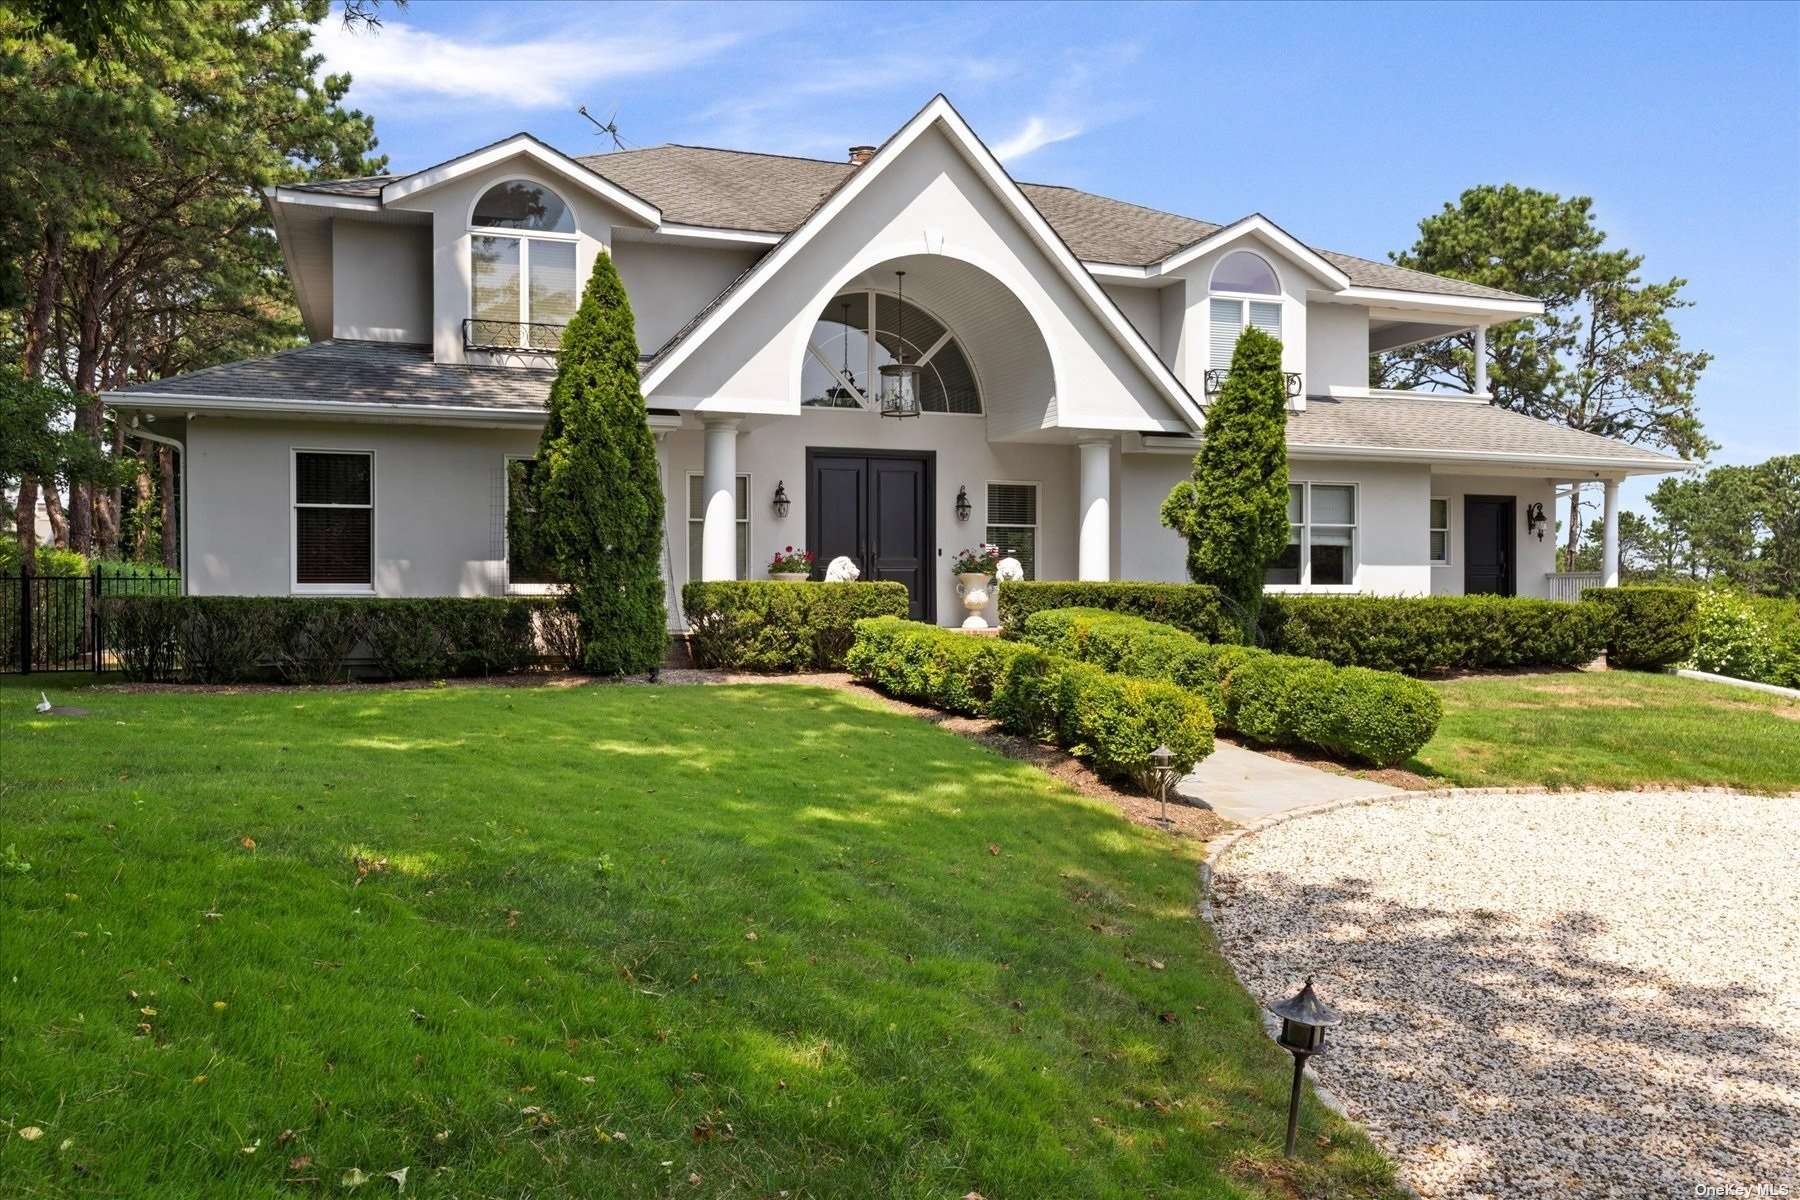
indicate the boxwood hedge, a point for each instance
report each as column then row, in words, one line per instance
column 1195, row 607
column 1113, row 720
column 1421, row 634
column 764, row 625
column 1377, row 717
column 1650, row 626
column 303, row 639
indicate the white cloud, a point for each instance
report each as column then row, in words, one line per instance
column 1036, row 133
column 399, row 61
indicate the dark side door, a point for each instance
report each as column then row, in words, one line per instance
column 874, row 507
column 1488, row 546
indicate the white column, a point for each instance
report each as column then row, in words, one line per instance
column 718, row 491
column 1481, row 379
column 1094, row 560
column 1609, row 538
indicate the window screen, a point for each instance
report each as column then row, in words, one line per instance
column 1012, row 522
column 334, row 518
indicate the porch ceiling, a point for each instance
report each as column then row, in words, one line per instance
column 1012, row 362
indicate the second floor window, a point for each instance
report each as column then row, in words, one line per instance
column 1244, row 292
column 522, row 267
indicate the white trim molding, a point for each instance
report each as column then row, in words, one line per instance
column 546, row 156
column 295, row 587
column 939, row 113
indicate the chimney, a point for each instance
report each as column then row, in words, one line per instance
column 861, row 154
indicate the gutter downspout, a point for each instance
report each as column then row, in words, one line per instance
column 138, row 430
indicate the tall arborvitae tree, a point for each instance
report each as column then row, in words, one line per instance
column 597, row 500
column 1234, row 510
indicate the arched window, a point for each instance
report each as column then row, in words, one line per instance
column 521, row 269
column 842, row 359
column 1237, row 280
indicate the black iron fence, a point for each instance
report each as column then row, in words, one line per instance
column 51, row 622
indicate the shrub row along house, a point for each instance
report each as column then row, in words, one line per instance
column 887, row 358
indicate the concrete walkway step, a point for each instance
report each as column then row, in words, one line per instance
column 1246, row 787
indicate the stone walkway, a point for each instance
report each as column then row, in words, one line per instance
column 1246, row 787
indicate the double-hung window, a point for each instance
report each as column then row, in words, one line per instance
column 1321, row 549
column 1012, row 519
column 522, row 268
column 1440, row 530
column 1245, row 293
column 334, row 520
column 696, row 524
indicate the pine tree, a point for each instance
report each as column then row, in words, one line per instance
column 598, row 500
column 1233, row 511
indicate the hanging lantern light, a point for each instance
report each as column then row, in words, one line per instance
column 844, row 394
column 900, row 379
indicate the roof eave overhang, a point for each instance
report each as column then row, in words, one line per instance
column 350, row 410
column 940, row 111
column 548, row 157
column 1304, row 451
column 317, row 325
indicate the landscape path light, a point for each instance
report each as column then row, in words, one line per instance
column 1304, row 1020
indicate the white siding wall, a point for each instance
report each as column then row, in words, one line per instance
column 669, row 284
column 1143, row 308
column 1337, row 347
column 1536, row 559
column 1392, row 546
column 381, row 281
column 438, row 499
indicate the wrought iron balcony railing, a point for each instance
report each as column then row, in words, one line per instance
column 1215, row 380
column 509, row 337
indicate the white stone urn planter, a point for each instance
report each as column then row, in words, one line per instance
column 973, row 586
column 788, row 576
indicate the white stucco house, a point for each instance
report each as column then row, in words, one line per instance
column 1066, row 346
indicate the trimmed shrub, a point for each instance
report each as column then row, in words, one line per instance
column 1377, row 717
column 1115, row 721
column 914, row 661
column 1112, row 720
column 765, row 625
column 1136, row 646
column 1194, row 607
column 1651, row 626
column 1419, row 634
column 300, row 639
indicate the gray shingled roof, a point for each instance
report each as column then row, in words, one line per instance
column 1423, row 424
column 387, row 373
column 774, row 193
column 357, row 372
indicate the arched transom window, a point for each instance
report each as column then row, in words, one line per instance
column 1245, row 291
column 522, row 268
column 842, row 359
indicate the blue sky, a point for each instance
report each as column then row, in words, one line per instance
column 1343, row 123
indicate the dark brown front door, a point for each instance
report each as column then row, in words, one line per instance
column 1488, row 546
column 874, row 508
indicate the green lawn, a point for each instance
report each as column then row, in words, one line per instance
column 606, row 941
column 1612, row 729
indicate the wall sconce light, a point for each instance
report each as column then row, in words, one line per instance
column 962, row 503
column 1535, row 520
column 781, row 499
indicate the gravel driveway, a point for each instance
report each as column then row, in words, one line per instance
column 1584, row 993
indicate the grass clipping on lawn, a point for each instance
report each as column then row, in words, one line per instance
column 607, row 941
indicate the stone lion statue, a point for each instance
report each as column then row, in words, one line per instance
column 1009, row 570
column 842, row 570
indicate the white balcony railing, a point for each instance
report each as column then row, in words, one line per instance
column 1568, row 585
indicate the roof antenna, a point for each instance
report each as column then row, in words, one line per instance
column 611, row 128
